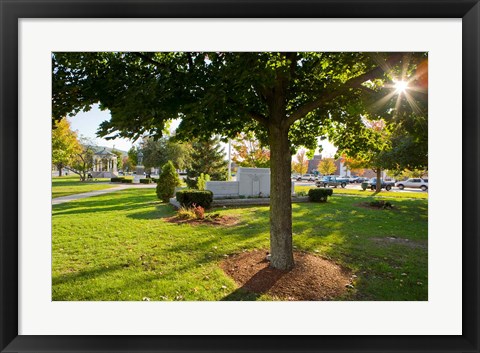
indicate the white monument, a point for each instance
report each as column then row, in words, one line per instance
column 251, row 182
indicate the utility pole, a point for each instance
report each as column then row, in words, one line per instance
column 229, row 160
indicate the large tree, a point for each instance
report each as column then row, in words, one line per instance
column 285, row 98
column 65, row 145
column 157, row 153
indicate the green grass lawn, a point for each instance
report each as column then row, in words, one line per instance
column 71, row 184
column 119, row 247
column 368, row 192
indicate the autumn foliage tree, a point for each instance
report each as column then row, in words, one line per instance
column 249, row 152
column 285, row 98
column 65, row 145
column 327, row 166
column 300, row 162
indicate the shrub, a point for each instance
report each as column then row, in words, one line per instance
column 189, row 198
column 202, row 181
column 319, row 195
column 186, row 213
column 167, row 182
column 199, row 212
column 146, row 181
column 155, row 180
column 117, row 179
column 127, row 181
column 193, row 212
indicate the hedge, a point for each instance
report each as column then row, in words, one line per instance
column 146, row 181
column 127, row 181
column 117, row 179
column 202, row 198
column 319, row 195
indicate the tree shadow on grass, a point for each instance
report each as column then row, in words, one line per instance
column 109, row 205
column 160, row 211
column 260, row 283
column 85, row 274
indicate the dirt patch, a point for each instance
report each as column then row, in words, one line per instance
column 377, row 205
column 399, row 241
column 313, row 277
column 213, row 221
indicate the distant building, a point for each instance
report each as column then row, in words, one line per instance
column 313, row 163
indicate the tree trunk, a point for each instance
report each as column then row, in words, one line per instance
column 379, row 180
column 281, row 248
column 60, row 167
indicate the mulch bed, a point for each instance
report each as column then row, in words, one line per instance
column 312, row 278
column 216, row 221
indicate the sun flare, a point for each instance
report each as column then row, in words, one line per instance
column 401, row 86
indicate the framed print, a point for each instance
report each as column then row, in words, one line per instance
column 294, row 254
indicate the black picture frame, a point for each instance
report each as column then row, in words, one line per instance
column 12, row 11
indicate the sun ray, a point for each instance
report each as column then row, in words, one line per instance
column 412, row 103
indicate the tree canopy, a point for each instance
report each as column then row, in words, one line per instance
column 287, row 99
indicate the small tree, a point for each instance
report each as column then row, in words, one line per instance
column 82, row 161
column 202, row 181
column 300, row 164
column 167, row 182
column 327, row 166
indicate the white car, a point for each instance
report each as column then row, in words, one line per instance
column 307, row 177
column 413, row 183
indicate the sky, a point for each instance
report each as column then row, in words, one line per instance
column 87, row 123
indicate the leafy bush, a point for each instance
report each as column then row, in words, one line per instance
column 167, row 182
column 319, row 195
column 202, row 181
column 155, row 180
column 146, row 181
column 190, row 198
column 199, row 212
column 117, row 179
column 127, row 181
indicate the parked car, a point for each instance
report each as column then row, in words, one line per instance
column 387, row 185
column 332, row 180
column 353, row 179
column 307, row 177
column 362, row 180
column 413, row 183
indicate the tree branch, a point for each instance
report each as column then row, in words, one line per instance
column 262, row 119
column 355, row 82
column 149, row 59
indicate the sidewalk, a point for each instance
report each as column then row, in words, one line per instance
column 63, row 199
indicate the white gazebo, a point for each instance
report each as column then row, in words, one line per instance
column 104, row 164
